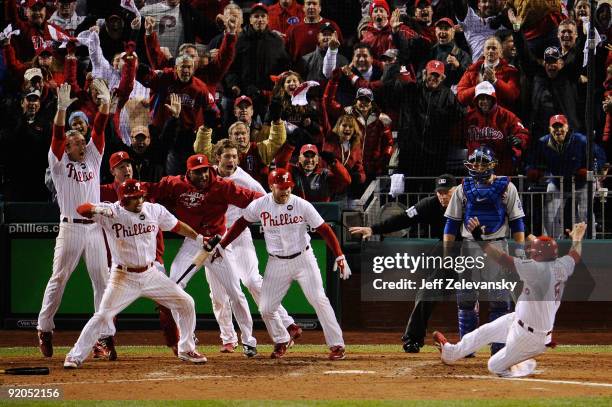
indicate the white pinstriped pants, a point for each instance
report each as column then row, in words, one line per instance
column 72, row 240
column 123, row 289
column 221, row 277
column 514, row 360
column 243, row 256
column 279, row 275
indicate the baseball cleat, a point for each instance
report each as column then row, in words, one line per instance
column 193, row 357
column 72, row 363
column 45, row 343
column 98, row 351
column 174, row 349
column 439, row 340
column 108, row 344
column 295, row 332
column 249, row 351
column 228, row 347
column 412, row 347
column 279, row 350
column 337, row 353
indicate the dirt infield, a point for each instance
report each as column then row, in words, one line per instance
column 309, row 375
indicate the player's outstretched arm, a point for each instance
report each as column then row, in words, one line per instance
column 234, row 232
column 477, row 230
column 88, row 210
column 364, row 231
column 332, row 242
column 577, row 234
column 187, row 231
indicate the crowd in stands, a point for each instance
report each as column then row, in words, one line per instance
column 340, row 92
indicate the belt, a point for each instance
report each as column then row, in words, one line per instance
column 76, row 220
column 291, row 256
column 134, row 269
column 494, row 240
column 530, row 329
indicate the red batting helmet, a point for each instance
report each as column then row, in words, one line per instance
column 543, row 248
column 131, row 189
column 281, row 178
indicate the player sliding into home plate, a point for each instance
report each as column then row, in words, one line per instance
column 527, row 331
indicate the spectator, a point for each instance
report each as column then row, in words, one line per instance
column 508, row 49
column 363, row 72
column 259, row 54
column 318, row 64
column 254, row 157
column 66, row 17
column 298, row 115
column 422, row 21
column 284, row 14
column 302, row 37
column 80, row 122
column 495, row 70
column 539, row 22
column 315, row 182
column 378, row 33
column 428, row 118
column 455, row 60
column 562, row 152
column 26, row 128
column 147, row 154
column 489, row 124
column 603, row 19
column 177, row 22
column 35, row 32
column 567, row 33
column 476, row 24
column 192, row 92
column 33, row 79
column 344, row 142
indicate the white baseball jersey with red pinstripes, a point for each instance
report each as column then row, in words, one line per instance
column 76, row 182
column 286, row 225
column 132, row 237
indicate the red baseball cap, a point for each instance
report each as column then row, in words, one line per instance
column 558, row 118
column 445, row 20
column 259, row 6
column 197, row 161
column 32, row 3
column 117, row 158
column 241, row 99
column 309, row 147
column 435, row 66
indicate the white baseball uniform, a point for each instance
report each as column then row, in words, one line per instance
column 525, row 331
column 285, row 229
column 132, row 241
column 76, row 182
column 242, row 254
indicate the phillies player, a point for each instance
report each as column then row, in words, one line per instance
column 131, row 226
column 243, row 252
column 527, row 331
column 285, row 219
column 75, row 171
column 200, row 198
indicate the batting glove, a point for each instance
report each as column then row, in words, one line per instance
column 103, row 92
column 100, row 210
column 345, row 270
column 63, row 97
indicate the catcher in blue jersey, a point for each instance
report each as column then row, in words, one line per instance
column 495, row 202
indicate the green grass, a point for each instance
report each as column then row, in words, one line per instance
column 570, row 402
column 356, row 349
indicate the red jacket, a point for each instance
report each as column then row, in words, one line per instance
column 194, row 95
column 377, row 140
column 203, row 210
column 495, row 130
column 210, row 74
column 110, row 193
column 507, row 86
column 302, row 38
column 608, row 126
column 381, row 40
column 280, row 19
column 18, row 68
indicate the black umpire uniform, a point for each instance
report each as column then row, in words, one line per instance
column 428, row 211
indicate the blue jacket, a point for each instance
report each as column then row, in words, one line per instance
column 566, row 159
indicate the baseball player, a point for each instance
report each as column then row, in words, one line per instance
column 243, row 252
column 131, row 226
column 285, row 219
column 527, row 331
column 201, row 198
column 495, row 201
column 75, row 171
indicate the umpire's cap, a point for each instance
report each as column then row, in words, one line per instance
column 445, row 182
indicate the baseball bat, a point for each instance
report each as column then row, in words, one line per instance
column 26, row 371
column 209, row 245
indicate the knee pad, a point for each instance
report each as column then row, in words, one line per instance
column 468, row 321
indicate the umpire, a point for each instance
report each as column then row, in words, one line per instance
column 428, row 211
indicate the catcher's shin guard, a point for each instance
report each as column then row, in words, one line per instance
column 168, row 326
column 497, row 309
column 468, row 320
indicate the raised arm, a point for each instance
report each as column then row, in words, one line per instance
column 58, row 140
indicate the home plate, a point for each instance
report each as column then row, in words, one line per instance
column 349, row 372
